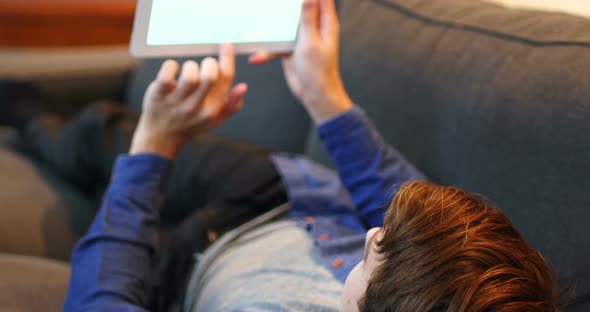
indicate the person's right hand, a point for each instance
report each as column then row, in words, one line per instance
column 312, row 70
column 176, row 110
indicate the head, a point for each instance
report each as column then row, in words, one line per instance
column 442, row 249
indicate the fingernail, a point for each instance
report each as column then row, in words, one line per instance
column 245, row 88
column 309, row 4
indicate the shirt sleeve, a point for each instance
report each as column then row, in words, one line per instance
column 371, row 170
column 111, row 264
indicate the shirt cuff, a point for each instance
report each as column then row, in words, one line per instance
column 350, row 137
column 142, row 170
column 344, row 120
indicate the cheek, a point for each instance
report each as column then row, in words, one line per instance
column 354, row 288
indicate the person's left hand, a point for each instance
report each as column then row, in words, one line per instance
column 175, row 111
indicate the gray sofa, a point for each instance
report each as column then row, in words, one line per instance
column 486, row 98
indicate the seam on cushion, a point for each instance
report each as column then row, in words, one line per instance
column 580, row 299
column 477, row 29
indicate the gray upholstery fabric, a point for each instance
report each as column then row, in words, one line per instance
column 489, row 99
column 37, row 208
column 30, row 284
column 271, row 117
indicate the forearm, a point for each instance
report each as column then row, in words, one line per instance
column 370, row 169
column 111, row 265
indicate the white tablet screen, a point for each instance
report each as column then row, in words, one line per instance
column 184, row 22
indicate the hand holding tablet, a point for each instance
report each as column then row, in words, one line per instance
column 311, row 64
column 197, row 27
column 312, row 69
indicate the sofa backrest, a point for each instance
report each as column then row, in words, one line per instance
column 493, row 100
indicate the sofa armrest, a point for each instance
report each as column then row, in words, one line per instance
column 71, row 77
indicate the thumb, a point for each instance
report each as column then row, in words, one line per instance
column 310, row 20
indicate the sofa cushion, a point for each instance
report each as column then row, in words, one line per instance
column 38, row 209
column 29, row 284
column 271, row 117
column 489, row 99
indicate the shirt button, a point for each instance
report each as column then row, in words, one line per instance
column 212, row 236
column 324, row 237
column 338, row 263
column 308, row 220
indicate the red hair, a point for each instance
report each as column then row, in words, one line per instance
column 448, row 250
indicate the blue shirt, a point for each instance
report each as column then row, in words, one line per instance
column 111, row 265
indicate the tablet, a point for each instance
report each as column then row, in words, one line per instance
column 165, row 28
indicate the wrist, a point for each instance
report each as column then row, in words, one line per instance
column 328, row 106
column 144, row 143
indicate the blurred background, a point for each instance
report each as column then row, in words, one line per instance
column 65, row 45
column 576, row 7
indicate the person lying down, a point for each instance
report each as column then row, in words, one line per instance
column 340, row 243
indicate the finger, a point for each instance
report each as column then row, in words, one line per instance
column 227, row 62
column 189, row 80
column 209, row 71
column 237, row 107
column 208, row 77
column 330, row 27
column 168, row 70
column 264, row 57
column 165, row 80
column 310, row 24
column 233, row 104
column 236, row 95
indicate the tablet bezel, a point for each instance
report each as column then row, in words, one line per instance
column 140, row 48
